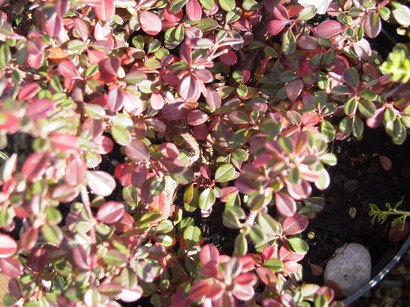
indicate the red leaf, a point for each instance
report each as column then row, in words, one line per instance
column 293, row 89
column 295, row 224
column 38, row 259
column 28, row 91
column 243, row 288
column 193, row 10
column 8, row 246
column 36, row 165
column 200, row 289
column 317, row 270
column 209, row 253
column 395, row 235
column 377, row 119
column 286, row 255
column 68, row 69
column 150, row 23
column 308, row 42
column 81, row 257
column 115, row 99
column 299, row 190
column 230, row 58
column 204, row 75
column 131, row 295
column 280, row 12
column 110, row 212
column 104, row 144
column 81, row 29
column 110, row 65
column 188, row 88
column 137, row 151
column 64, row 193
column 65, row 143
column 385, row 162
column 285, row 204
column 39, row 108
column 76, row 172
column 213, row 100
column 133, row 104
column 101, row 183
column 29, row 239
column 196, row 117
column 329, row 28
column 105, row 9
column 11, row 267
column 35, row 60
column 276, row 26
column 125, row 223
column 157, row 101
column 372, row 25
column 168, row 150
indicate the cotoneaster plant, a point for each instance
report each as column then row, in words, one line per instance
column 125, row 125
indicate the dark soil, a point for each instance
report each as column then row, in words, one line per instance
column 357, row 180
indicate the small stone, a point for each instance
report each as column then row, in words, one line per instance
column 349, row 270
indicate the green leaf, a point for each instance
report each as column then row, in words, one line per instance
column 207, row 4
column 367, row 108
column 207, row 199
column 151, row 217
column 307, row 13
column 130, row 196
column 369, row 95
column 269, row 225
column 250, row 5
column 232, row 216
column 91, row 70
column 358, row 127
column 351, row 77
column 327, row 130
column 94, row 110
column 345, row 125
column 56, row 85
column 329, row 159
column 257, row 235
column 207, row 24
column 240, row 155
column 224, row 173
column 227, row 5
column 240, row 245
column 53, row 215
column 114, row 257
column 288, row 43
column 389, row 115
column 192, row 236
column 165, row 226
column 297, row 245
column 401, row 13
column 274, row 265
column 121, row 135
column 52, row 233
column 233, row 15
column 350, row 106
column 177, row 5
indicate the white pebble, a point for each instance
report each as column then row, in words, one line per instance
column 349, row 270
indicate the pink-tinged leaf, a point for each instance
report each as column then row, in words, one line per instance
column 280, row 12
column 110, row 212
column 139, row 176
column 11, row 267
column 75, row 172
column 35, row 60
column 213, row 100
column 209, row 253
column 29, row 239
column 377, row 119
column 188, row 88
column 28, row 91
column 38, row 259
column 81, row 257
column 385, row 162
column 230, row 58
column 308, row 42
column 35, row 46
column 8, row 246
column 36, row 165
column 295, row 224
column 168, row 150
column 105, row 9
column 243, row 288
column 204, row 75
column 65, row 143
column 104, row 144
column 171, row 17
column 133, row 104
column 81, row 28
column 125, row 223
column 131, row 295
column 276, row 26
column 196, row 117
column 216, row 291
column 200, row 289
column 150, row 22
column 174, row 111
column 193, row 10
column 210, row 270
column 115, row 99
column 64, row 193
column 372, row 25
column 362, row 48
column 100, row 183
column 290, row 266
column 293, row 89
column 316, row 270
column 285, row 204
column 329, row 28
column 67, row 69
column 157, row 101
column 40, row 108
column 110, row 65
column 286, row 255
column 300, row 190
column 137, row 151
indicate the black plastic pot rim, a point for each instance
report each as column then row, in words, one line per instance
column 359, row 293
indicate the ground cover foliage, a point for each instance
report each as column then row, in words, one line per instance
column 127, row 126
